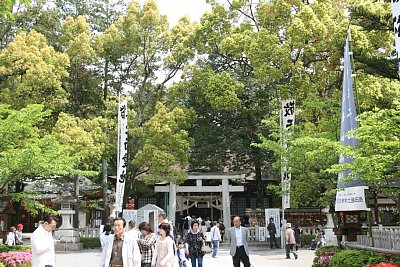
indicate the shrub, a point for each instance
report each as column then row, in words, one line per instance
column 5, row 248
column 350, row 258
column 90, row 242
column 384, row 260
column 324, row 254
column 382, row 264
column 16, row 258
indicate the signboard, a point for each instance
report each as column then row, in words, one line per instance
column 274, row 213
column 130, row 215
column 261, row 233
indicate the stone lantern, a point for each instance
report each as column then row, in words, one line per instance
column 68, row 236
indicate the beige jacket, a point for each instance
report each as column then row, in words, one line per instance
column 290, row 239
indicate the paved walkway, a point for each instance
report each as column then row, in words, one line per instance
column 259, row 257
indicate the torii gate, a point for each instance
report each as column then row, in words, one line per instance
column 225, row 188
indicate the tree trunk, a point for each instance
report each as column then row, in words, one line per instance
column 105, row 187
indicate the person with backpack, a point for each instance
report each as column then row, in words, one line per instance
column 215, row 238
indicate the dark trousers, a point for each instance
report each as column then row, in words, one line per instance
column 273, row 241
column 290, row 247
column 241, row 256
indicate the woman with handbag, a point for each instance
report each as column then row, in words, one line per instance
column 195, row 241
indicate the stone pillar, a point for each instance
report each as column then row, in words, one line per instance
column 331, row 238
column 226, row 203
column 172, row 202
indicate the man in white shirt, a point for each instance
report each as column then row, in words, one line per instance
column 121, row 249
column 42, row 241
column 237, row 237
column 132, row 230
column 215, row 238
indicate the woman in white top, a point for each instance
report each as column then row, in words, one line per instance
column 11, row 237
column 163, row 255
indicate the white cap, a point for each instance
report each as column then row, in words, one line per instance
column 288, row 225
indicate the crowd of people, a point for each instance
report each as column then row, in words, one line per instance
column 146, row 248
column 125, row 246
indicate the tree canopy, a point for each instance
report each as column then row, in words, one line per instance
column 202, row 96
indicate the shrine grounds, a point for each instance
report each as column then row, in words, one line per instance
column 259, row 257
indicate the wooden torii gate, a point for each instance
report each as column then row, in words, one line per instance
column 225, row 189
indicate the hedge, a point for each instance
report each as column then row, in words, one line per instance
column 6, row 248
column 90, row 242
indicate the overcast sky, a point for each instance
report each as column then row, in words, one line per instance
column 175, row 9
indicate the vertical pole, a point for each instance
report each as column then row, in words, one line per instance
column 282, row 183
column 172, row 202
column 226, row 203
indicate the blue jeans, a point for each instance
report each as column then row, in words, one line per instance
column 215, row 247
column 146, row 264
column 199, row 260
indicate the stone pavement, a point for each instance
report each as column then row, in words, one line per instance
column 259, row 257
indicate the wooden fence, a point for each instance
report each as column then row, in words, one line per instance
column 385, row 239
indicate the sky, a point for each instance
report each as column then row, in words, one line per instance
column 175, row 9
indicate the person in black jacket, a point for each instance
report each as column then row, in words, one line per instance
column 297, row 236
column 272, row 232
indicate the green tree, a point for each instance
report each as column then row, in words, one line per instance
column 141, row 54
column 82, row 84
column 377, row 159
column 31, row 72
column 6, row 7
column 29, row 153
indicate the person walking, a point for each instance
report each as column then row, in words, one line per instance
column 121, row 250
column 237, row 239
column 297, row 236
column 195, row 240
column 290, row 241
column 164, row 250
column 272, row 232
column 215, row 238
column 43, row 243
column 146, row 243
column 181, row 253
column 222, row 230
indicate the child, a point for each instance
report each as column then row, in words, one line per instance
column 181, row 255
column 322, row 240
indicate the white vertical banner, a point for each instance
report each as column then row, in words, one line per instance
column 273, row 213
column 287, row 120
column 122, row 154
column 396, row 21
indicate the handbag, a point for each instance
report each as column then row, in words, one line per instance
column 205, row 248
